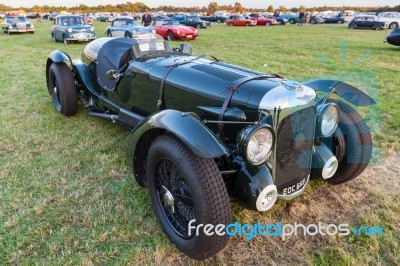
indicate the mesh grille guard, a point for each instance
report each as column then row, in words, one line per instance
column 295, row 138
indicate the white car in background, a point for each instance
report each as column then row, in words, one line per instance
column 391, row 18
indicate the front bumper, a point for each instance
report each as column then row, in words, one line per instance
column 81, row 37
column 21, row 30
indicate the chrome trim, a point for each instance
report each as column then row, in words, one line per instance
column 297, row 193
column 287, row 95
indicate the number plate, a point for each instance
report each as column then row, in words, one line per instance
column 294, row 188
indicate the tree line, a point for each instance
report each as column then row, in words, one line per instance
column 210, row 9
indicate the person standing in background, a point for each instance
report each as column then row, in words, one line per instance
column 301, row 18
column 146, row 19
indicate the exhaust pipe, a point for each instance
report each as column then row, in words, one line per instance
column 254, row 185
column 324, row 163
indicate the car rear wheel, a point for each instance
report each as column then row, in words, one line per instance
column 170, row 35
column 313, row 21
column 109, row 34
column 231, row 24
column 291, row 21
column 379, row 27
column 198, row 26
column 247, row 24
column 351, row 144
column 184, row 187
column 393, row 25
column 267, row 24
column 352, row 26
column 340, row 22
column 128, row 35
column 53, row 37
column 62, row 89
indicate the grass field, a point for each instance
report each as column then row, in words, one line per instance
column 68, row 198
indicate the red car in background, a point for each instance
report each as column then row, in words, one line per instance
column 265, row 21
column 239, row 20
column 171, row 29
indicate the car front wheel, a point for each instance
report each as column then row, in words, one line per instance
column 379, row 27
column 62, row 89
column 351, row 144
column 128, row 35
column 231, row 24
column 65, row 39
column 53, row 37
column 393, row 25
column 109, row 34
column 170, row 35
column 352, row 26
column 187, row 191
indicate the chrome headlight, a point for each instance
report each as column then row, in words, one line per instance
column 69, row 30
column 327, row 120
column 256, row 143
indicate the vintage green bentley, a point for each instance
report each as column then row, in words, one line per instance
column 204, row 131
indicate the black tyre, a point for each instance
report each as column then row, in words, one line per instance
column 340, row 22
column 65, row 40
column 198, row 26
column 247, row 24
column 351, row 144
column 170, row 35
column 231, row 24
column 128, row 35
column 184, row 187
column 393, row 25
column 53, row 37
column 313, row 21
column 62, row 89
column 291, row 21
column 109, row 34
column 379, row 27
column 267, row 24
column 352, row 26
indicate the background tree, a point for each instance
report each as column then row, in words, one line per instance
column 283, row 9
column 238, row 8
column 212, row 7
column 270, row 9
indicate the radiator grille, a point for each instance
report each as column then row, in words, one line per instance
column 293, row 151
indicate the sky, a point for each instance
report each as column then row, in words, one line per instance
column 190, row 3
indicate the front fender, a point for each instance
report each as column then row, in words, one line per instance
column 56, row 57
column 183, row 126
column 194, row 134
column 344, row 90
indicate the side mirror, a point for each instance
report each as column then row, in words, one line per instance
column 112, row 74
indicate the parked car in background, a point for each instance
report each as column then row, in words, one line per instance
column 280, row 20
column 105, row 18
column 316, row 20
column 334, row 20
column 239, row 20
column 171, row 29
column 69, row 28
column 193, row 21
column 263, row 21
column 128, row 28
column 14, row 24
column 367, row 22
column 292, row 19
column 393, row 22
column 393, row 38
column 218, row 19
